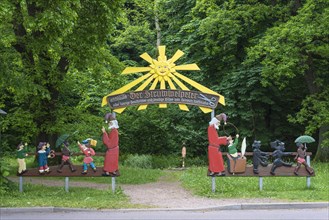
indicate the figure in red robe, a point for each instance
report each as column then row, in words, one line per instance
column 216, row 162
column 111, row 141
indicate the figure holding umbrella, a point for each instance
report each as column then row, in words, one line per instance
column 301, row 153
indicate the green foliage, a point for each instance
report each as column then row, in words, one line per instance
column 166, row 161
column 59, row 58
column 57, row 54
column 139, row 161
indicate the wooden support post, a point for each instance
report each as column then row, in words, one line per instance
column 113, row 184
column 21, row 184
column 308, row 178
column 260, row 183
column 213, row 184
column 66, row 184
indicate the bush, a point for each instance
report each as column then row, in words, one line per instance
column 139, row 161
column 166, row 161
column 160, row 161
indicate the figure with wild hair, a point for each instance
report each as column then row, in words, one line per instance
column 215, row 158
column 111, row 141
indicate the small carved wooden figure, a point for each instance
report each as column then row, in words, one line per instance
column 66, row 154
column 278, row 154
column 183, row 154
column 259, row 157
column 300, row 158
column 21, row 154
column 88, row 151
column 43, row 154
column 233, row 151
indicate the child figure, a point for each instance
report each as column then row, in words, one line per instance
column 21, row 154
column 259, row 157
column 66, row 153
column 232, row 150
column 278, row 154
column 43, row 154
column 88, row 152
column 232, row 147
column 300, row 158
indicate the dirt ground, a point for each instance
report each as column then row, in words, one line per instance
column 160, row 194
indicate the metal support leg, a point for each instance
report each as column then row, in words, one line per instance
column 66, row 184
column 113, row 184
column 260, row 183
column 308, row 178
column 213, row 184
column 21, row 184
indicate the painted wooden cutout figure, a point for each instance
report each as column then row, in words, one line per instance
column 21, row 154
column 88, row 151
column 66, row 154
column 278, row 154
column 259, row 157
column 183, row 154
column 300, row 158
column 43, row 155
column 232, row 151
column 111, row 141
column 215, row 158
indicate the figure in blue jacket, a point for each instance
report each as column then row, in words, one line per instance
column 43, row 154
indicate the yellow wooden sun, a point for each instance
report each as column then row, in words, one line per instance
column 163, row 72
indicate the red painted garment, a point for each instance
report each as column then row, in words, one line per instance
column 111, row 141
column 215, row 158
column 88, row 152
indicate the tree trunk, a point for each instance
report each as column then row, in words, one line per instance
column 322, row 153
column 157, row 25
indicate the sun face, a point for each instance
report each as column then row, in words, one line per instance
column 161, row 68
column 163, row 73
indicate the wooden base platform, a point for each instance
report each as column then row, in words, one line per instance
column 265, row 171
column 66, row 172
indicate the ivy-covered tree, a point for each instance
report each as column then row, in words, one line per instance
column 55, row 65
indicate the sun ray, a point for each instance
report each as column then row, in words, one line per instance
column 162, row 86
column 200, row 87
column 153, row 86
column 176, row 56
column 148, row 81
column 147, row 57
column 173, row 87
column 182, row 86
column 162, row 53
column 129, row 70
column 187, row 67
column 126, row 87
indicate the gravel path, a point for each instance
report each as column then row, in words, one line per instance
column 160, row 194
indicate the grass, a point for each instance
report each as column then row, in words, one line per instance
column 193, row 179
column 78, row 197
column 40, row 196
column 281, row 188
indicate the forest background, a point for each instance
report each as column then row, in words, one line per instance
column 269, row 59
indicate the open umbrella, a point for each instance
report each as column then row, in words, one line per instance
column 62, row 139
column 304, row 139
